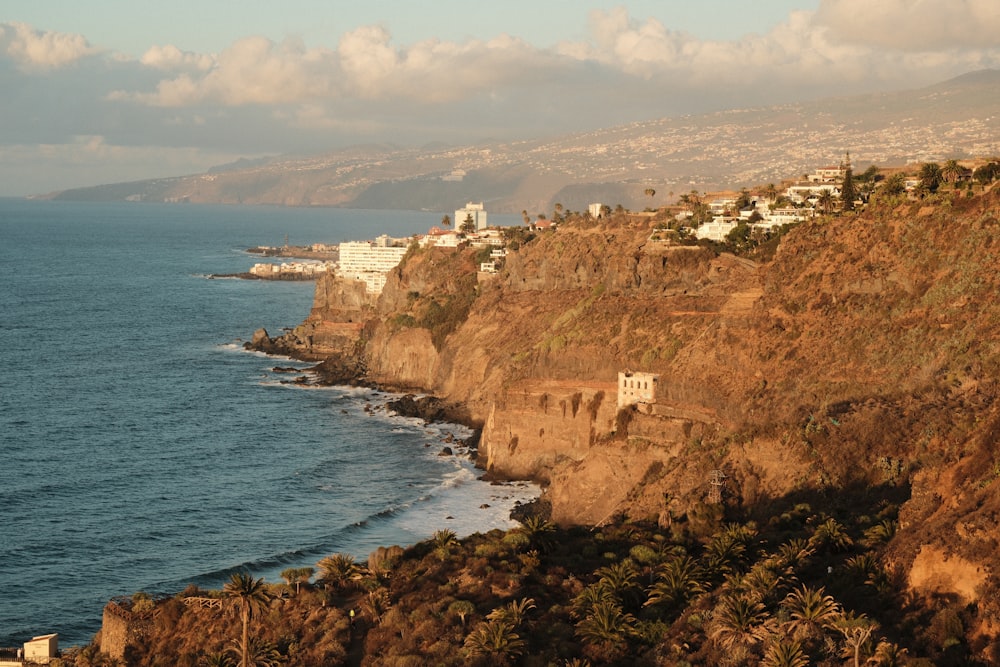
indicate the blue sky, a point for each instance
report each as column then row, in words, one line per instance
column 111, row 90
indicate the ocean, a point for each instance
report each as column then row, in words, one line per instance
column 143, row 449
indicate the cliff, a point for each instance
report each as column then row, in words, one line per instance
column 863, row 354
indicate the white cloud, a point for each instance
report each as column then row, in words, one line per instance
column 913, row 25
column 45, row 50
column 170, row 58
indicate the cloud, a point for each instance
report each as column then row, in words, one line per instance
column 44, row 50
column 913, row 25
column 170, row 58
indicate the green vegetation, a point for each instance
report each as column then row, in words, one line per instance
column 795, row 586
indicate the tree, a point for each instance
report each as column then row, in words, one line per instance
column 739, row 624
column 219, row 659
column 539, row 531
column 250, row 596
column 785, row 653
column 952, row 172
column 894, row 185
column 825, row 200
column 463, row 609
column 513, row 612
column 857, row 630
column 848, row 193
column 677, row 581
column 830, row 534
column 607, row 628
column 469, row 225
column 444, row 540
column 258, row 653
column 495, row 642
column 338, row 570
column 446, row 221
column 930, row 176
column 810, row 610
column 297, row 576
column 649, row 192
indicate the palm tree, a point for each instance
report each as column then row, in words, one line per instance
column 495, row 642
column 258, row 653
column 952, row 171
column 446, row 221
column 825, row 200
column 539, row 531
column 831, row 534
column 338, row 570
column 444, row 540
column 677, row 581
column 607, row 627
column 588, row 598
column 377, row 603
column 888, row 654
column 811, row 610
column 930, row 176
column 513, row 612
column 739, row 624
column 219, row 659
column 894, row 185
column 251, row 596
column 622, row 579
column 785, row 653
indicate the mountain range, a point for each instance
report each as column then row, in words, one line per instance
column 740, row 147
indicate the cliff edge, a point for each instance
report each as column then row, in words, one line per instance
column 863, row 354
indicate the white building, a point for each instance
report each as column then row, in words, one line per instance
column 477, row 212
column 595, row 210
column 716, row 230
column 370, row 261
column 634, row 388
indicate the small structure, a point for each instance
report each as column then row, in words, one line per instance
column 717, row 482
column 635, row 388
column 42, row 649
column 596, row 210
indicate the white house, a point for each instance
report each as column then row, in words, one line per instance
column 834, row 174
column 717, row 229
column 595, row 210
column 477, row 212
column 636, row 388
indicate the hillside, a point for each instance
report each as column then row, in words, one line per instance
column 955, row 119
column 862, row 356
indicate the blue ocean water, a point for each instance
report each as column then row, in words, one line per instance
column 141, row 448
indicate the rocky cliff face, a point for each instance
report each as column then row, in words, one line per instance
column 864, row 353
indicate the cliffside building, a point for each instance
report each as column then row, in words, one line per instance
column 477, row 212
column 370, row 261
column 635, row 388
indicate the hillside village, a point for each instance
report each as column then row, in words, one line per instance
column 727, row 217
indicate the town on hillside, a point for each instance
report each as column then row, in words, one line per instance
column 736, row 219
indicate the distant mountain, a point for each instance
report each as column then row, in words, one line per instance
column 740, row 147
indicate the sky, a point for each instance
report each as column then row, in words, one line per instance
column 116, row 90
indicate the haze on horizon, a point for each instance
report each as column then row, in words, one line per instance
column 116, row 91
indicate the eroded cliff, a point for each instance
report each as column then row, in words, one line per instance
column 864, row 352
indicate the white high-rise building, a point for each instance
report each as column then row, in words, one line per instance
column 475, row 211
column 370, row 261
